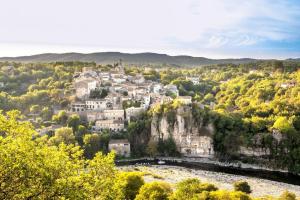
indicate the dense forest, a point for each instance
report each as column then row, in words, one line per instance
column 253, row 105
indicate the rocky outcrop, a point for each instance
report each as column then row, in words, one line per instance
column 192, row 137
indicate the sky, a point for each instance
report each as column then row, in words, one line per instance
column 208, row 28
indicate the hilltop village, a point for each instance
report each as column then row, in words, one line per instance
column 110, row 100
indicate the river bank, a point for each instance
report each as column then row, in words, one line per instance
column 216, row 166
column 174, row 174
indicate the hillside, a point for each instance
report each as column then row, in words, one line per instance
column 138, row 58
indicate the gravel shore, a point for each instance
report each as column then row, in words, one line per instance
column 174, row 174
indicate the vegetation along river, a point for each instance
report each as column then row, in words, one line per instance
column 262, row 182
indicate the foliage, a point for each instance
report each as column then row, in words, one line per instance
column 191, row 188
column 151, row 149
column 62, row 135
column 73, row 122
column 154, row 191
column 30, row 169
column 242, row 186
column 94, row 143
column 98, row 93
column 127, row 185
column 286, row 195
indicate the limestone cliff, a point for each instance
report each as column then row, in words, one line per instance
column 192, row 137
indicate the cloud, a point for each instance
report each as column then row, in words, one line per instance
column 174, row 26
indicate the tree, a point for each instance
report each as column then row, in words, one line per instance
column 170, row 147
column 242, row 186
column 46, row 113
column 61, row 117
column 92, row 144
column 128, row 184
column 63, row 135
column 154, row 191
column 286, row 195
column 152, row 148
column 31, row 169
column 284, row 125
column 79, row 134
column 191, row 188
column 98, row 93
column 73, row 122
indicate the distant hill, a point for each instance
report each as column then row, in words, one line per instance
column 138, row 59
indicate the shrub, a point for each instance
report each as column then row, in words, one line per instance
column 154, row 191
column 128, row 184
column 242, row 186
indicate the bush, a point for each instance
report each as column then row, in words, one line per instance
column 191, row 188
column 223, row 194
column 242, row 186
column 128, row 184
column 287, row 196
column 154, row 191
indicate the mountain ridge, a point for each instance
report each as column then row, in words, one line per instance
column 127, row 58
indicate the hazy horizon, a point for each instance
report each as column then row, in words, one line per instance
column 260, row 29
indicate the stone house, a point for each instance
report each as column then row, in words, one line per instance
column 98, row 104
column 185, row 99
column 121, row 147
column 114, row 114
column 112, row 125
column 146, row 100
column 157, row 88
column 93, row 116
column 105, row 76
column 138, row 79
column 78, row 107
column 118, row 78
column 84, row 87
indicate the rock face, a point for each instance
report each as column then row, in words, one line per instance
column 192, row 139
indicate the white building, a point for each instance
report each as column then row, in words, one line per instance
column 93, row 116
column 78, row 107
column 112, row 125
column 138, row 79
column 184, row 99
column 105, row 76
column 157, row 88
column 84, row 87
column 98, row 104
column 146, row 101
column 121, row 147
column 114, row 114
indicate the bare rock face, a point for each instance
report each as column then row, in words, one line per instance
column 192, row 139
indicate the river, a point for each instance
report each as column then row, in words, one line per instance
column 262, row 182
